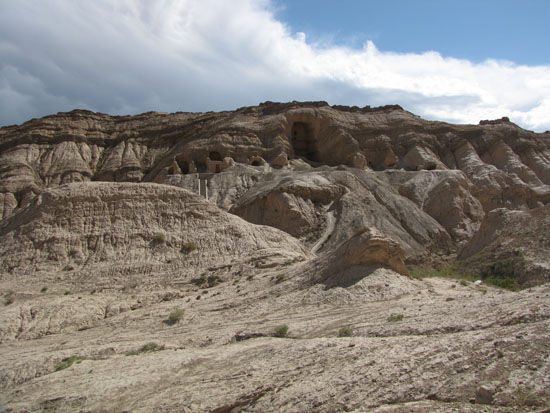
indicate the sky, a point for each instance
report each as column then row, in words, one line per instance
column 457, row 61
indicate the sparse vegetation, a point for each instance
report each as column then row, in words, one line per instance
column 395, row 318
column 188, row 247
column 43, row 289
column 207, row 281
column 67, row 292
column 175, row 317
column 280, row 331
column 280, row 278
column 68, row 362
column 346, row 331
column 498, row 274
column 504, row 282
column 504, row 271
column 159, row 239
column 146, row 348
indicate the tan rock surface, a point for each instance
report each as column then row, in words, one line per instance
column 120, row 246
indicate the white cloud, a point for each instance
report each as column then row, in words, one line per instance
column 132, row 56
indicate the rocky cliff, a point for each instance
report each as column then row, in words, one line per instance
column 309, row 169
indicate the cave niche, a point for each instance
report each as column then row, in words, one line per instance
column 215, row 156
column 183, row 165
column 304, row 141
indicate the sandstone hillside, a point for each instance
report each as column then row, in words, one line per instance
column 150, row 262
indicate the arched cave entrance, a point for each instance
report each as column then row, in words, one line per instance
column 183, row 165
column 303, row 141
column 215, row 156
column 201, row 166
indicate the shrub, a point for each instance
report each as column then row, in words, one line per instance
column 159, row 238
column 175, row 316
column 505, row 282
column 43, row 289
column 346, row 331
column 280, row 278
column 146, row 348
column 209, row 281
column 67, row 292
column 68, row 362
column 213, row 280
column 463, row 283
column 395, row 317
column 188, row 247
column 504, row 272
column 280, row 331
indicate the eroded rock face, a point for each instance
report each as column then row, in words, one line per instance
column 509, row 166
column 112, row 225
column 338, row 203
column 295, row 204
column 512, row 245
column 369, row 247
column 317, row 172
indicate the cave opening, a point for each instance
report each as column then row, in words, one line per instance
column 303, row 141
column 183, row 165
column 201, row 166
column 215, row 156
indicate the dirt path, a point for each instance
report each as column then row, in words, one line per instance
column 331, row 223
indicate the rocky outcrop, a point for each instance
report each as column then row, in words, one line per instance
column 512, row 245
column 110, row 227
column 317, row 172
column 81, row 146
column 355, row 258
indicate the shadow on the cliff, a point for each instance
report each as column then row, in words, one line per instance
column 350, row 276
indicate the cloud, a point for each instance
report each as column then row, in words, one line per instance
column 131, row 56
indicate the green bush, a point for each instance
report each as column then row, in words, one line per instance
column 504, row 272
column 505, row 282
column 175, row 316
column 395, row 317
column 146, row 348
column 68, row 362
column 280, row 331
column 43, row 289
column 188, row 247
column 346, row 331
column 159, row 238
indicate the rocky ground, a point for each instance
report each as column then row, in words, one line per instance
column 430, row 345
column 346, row 259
